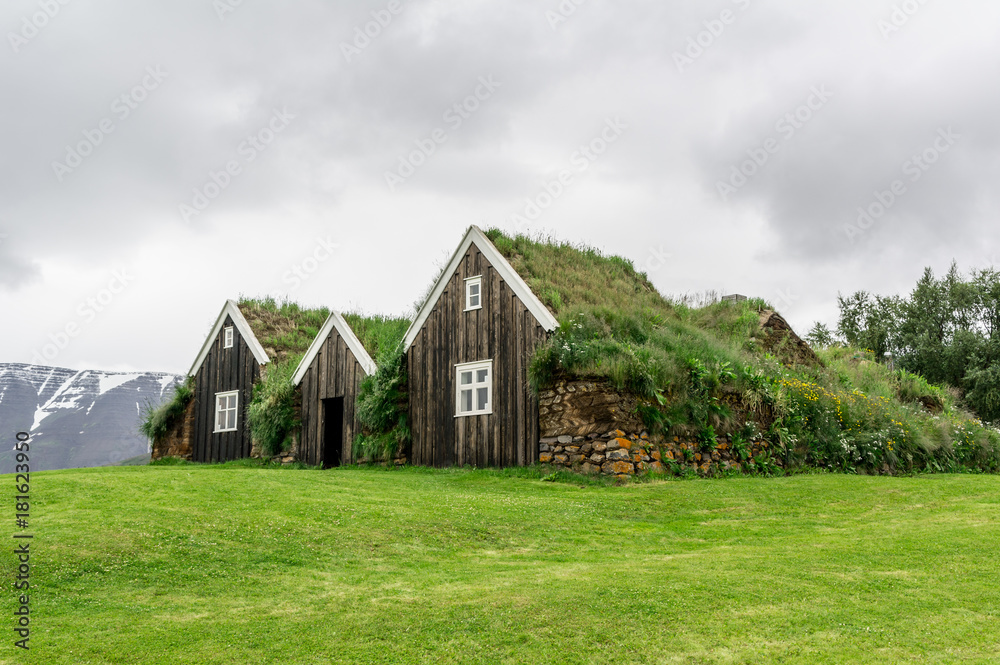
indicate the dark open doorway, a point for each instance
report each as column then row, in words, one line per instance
column 333, row 431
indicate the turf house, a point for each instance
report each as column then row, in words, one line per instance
column 243, row 370
column 329, row 378
column 468, row 352
column 529, row 351
column 221, row 382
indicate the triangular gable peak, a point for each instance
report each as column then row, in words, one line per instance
column 475, row 236
column 231, row 310
column 335, row 321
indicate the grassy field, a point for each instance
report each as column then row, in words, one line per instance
column 191, row 564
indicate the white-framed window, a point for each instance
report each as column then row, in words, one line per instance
column 474, row 293
column 474, row 389
column 227, row 338
column 226, row 411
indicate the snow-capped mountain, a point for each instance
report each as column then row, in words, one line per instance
column 76, row 418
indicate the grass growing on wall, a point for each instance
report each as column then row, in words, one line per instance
column 704, row 371
column 272, row 415
column 382, row 407
column 157, row 421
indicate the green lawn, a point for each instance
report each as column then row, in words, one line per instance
column 204, row 565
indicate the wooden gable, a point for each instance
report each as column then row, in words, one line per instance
column 507, row 330
column 332, row 369
column 221, row 370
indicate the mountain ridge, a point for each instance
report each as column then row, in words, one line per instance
column 76, row 418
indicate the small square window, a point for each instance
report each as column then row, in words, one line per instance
column 226, row 410
column 228, row 338
column 474, row 293
column 474, row 389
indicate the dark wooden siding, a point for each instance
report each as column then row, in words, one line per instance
column 334, row 372
column 224, row 370
column 503, row 331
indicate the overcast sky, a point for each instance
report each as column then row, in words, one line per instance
column 727, row 145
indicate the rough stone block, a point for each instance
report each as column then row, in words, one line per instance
column 572, row 450
column 656, row 455
column 543, row 448
column 656, row 467
column 618, row 468
column 600, row 447
column 562, row 459
column 545, row 458
column 576, row 459
column 564, row 439
column 597, row 458
column 618, row 456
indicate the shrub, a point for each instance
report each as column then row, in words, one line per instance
column 157, row 421
column 272, row 415
column 915, row 389
column 382, row 410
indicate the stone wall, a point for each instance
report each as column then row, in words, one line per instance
column 178, row 441
column 623, row 455
column 579, row 407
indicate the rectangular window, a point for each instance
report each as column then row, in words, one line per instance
column 228, row 338
column 474, row 389
column 226, row 408
column 474, row 293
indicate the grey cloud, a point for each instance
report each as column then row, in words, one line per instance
column 355, row 119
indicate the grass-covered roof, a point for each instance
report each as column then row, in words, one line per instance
column 614, row 322
column 567, row 276
column 380, row 334
column 285, row 329
column 736, row 369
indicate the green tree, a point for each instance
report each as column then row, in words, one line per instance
column 820, row 336
column 870, row 321
column 947, row 330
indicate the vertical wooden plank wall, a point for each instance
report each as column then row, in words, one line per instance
column 224, row 370
column 334, row 372
column 504, row 331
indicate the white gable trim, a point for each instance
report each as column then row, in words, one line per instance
column 507, row 273
column 353, row 343
column 232, row 310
